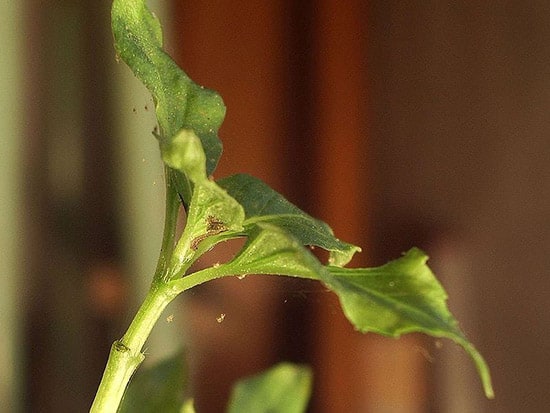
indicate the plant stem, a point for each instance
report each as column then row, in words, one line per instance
column 170, row 222
column 126, row 354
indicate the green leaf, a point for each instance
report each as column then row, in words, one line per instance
column 284, row 388
column 263, row 204
column 180, row 103
column 157, row 389
column 400, row 297
column 271, row 250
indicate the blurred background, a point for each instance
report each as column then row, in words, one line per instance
column 399, row 123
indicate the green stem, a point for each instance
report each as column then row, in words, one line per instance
column 170, row 223
column 126, row 354
column 192, row 280
column 211, row 273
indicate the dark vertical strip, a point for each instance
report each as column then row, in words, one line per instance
column 35, row 215
column 70, row 203
column 54, row 341
column 297, row 164
column 340, row 193
column 298, row 116
column 101, row 231
column 102, row 240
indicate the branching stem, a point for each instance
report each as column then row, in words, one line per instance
column 126, row 354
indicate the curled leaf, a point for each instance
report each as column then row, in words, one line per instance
column 400, row 297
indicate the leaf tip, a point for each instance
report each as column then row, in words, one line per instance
column 480, row 364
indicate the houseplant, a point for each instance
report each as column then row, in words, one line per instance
column 399, row 297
